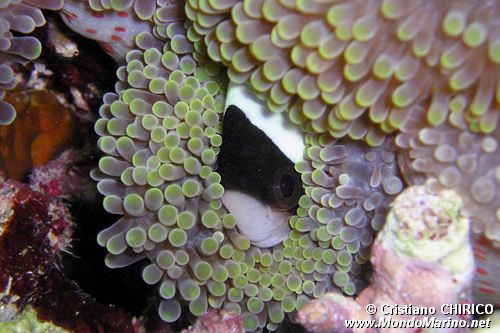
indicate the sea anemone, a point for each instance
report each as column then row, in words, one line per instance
column 358, row 68
column 162, row 135
column 425, row 70
column 372, row 87
column 18, row 17
column 342, row 72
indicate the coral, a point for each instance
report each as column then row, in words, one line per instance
column 217, row 321
column 27, row 321
column 18, row 16
column 364, row 70
column 44, row 127
column 29, row 273
column 328, row 314
column 431, row 228
column 425, row 238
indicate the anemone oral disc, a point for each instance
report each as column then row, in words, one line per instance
column 262, row 225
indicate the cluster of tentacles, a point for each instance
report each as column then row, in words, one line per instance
column 376, row 86
column 424, row 71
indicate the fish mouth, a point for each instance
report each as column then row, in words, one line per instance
column 263, row 225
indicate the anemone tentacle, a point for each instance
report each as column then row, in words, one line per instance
column 18, row 16
column 160, row 133
column 359, row 68
column 371, row 70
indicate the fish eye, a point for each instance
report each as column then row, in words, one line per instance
column 287, row 187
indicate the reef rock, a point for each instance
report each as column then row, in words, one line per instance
column 425, row 238
column 31, row 224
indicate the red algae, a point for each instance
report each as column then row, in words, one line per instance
column 29, row 269
column 59, row 177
